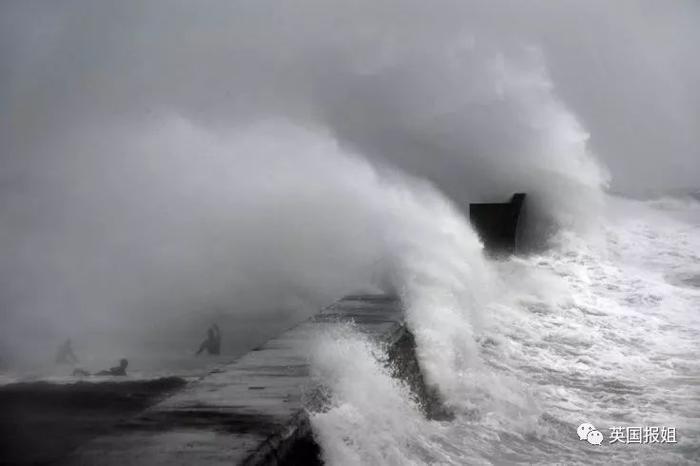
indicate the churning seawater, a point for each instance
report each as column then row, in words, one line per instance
column 602, row 329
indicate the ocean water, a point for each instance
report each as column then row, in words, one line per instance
column 603, row 328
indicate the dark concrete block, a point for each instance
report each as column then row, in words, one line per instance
column 498, row 224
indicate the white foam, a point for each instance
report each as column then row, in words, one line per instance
column 525, row 350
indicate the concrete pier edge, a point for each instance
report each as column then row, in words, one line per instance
column 254, row 411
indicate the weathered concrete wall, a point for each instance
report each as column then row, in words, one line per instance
column 252, row 411
column 497, row 224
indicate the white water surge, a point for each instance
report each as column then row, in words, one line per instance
column 524, row 350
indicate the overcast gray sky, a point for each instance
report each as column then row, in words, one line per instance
column 627, row 70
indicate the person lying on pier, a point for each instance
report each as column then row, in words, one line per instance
column 119, row 370
column 65, row 354
column 213, row 342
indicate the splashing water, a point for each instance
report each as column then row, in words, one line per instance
column 591, row 331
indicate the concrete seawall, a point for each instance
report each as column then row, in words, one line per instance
column 498, row 224
column 254, row 410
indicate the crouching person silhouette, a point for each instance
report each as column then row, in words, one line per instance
column 212, row 344
column 65, row 354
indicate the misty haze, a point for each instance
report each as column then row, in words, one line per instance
column 225, row 220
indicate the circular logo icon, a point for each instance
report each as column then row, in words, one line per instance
column 584, row 429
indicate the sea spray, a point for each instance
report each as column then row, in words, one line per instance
column 172, row 195
column 370, row 417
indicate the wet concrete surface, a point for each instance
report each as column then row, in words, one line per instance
column 252, row 411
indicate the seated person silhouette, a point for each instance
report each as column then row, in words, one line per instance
column 213, row 342
column 118, row 370
column 65, row 354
